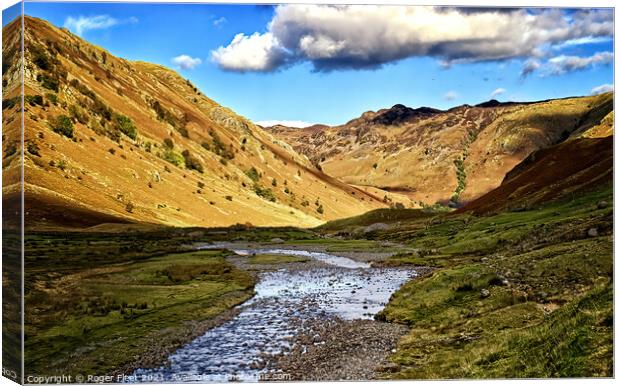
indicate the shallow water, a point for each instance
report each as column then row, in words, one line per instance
column 284, row 302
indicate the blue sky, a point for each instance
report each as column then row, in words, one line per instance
column 290, row 64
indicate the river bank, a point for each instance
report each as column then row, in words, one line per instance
column 293, row 300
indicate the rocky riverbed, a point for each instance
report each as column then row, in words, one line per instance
column 307, row 321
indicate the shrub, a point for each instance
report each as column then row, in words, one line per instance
column 11, row 102
column 77, row 113
column 192, row 162
column 10, row 150
column 183, row 131
column 219, row 147
column 168, row 143
column 48, row 82
column 174, row 158
column 320, row 209
column 33, row 149
column 62, row 125
column 206, row 146
column 62, row 164
column 126, row 126
column 229, row 198
column 129, row 207
column 34, row 100
column 40, row 58
column 265, row 193
column 52, row 97
column 253, row 174
column 274, row 182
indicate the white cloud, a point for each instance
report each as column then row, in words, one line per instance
column 81, row 24
column 563, row 64
column 298, row 124
column 186, row 62
column 335, row 37
column 584, row 40
column 450, row 95
column 219, row 21
column 602, row 89
column 257, row 52
column 497, row 92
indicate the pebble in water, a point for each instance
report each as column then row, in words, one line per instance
column 284, row 304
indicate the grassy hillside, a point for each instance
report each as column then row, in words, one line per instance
column 101, row 304
column 425, row 156
column 519, row 294
column 110, row 140
column 523, row 277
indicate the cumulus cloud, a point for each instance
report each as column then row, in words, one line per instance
column 257, row 52
column 497, row 92
column 450, row 95
column 299, row 124
column 81, row 24
column 186, row 62
column 602, row 89
column 563, row 64
column 334, row 37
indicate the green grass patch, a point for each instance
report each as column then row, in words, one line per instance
column 517, row 294
column 94, row 321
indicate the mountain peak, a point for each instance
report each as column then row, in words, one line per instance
column 399, row 114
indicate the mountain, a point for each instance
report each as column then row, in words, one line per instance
column 451, row 157
column 111, row 140
column 563, row 170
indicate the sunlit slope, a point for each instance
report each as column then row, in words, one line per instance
column 447, row 156
column 112, row 140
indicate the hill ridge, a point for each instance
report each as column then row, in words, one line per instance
column 135, row 140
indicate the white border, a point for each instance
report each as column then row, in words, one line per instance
column 481, row 3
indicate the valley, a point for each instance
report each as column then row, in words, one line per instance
column 168, row 238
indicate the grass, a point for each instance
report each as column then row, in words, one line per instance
column 96, row 320
column 276, row 259
column 518, row 294
column 376, row 216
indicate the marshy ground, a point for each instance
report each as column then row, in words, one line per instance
column 524, row 293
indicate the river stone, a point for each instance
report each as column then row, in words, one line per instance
column 485, row 293
column 277, row 240
column 592, row 232
column 602, row 204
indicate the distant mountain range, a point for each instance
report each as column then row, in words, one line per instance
column 113, row 141
column 453, row 156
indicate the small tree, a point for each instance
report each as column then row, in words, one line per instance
column 62, row 125
column 126, row 126
column 253, row 174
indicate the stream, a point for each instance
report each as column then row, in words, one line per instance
column 285, row 300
